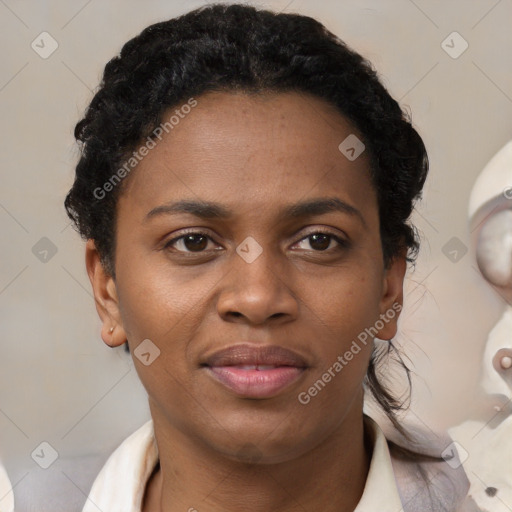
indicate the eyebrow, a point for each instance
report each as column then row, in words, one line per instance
column 211, row 210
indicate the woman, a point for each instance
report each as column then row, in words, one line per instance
column 244, row 188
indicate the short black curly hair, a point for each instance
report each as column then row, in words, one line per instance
column 240, row 48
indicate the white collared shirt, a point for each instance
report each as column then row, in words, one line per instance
column 120, row 486
column 6, row 494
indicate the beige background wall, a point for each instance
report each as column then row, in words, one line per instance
column 58, row 382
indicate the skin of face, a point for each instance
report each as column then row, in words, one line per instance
column 254, row 155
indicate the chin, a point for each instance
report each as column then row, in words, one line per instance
column 263, row 445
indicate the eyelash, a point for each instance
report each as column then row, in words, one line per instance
column 343, row 244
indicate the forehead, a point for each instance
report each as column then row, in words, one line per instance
column 236, row 148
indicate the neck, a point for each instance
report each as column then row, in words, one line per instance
column 191, row 477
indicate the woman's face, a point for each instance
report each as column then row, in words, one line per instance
column 254, row 276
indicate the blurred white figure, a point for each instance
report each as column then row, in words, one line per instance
column 6, row 494
column 488, row 438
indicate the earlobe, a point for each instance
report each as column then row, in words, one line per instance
column 392, row 297
column 105, row 297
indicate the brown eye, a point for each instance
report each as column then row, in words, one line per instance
column 195, row 242
column 191, row 242
column 320, row 241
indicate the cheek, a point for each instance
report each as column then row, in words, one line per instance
column 342, row 313
column 160, row 302
column 167, row 306
column 344, row 303
column 167, row 310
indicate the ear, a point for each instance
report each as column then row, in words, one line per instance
column 392, row 296
column 105, row 296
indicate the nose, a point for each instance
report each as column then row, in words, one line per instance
column 257, row 291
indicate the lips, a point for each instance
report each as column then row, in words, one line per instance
column 255, row 355
column 255, row 371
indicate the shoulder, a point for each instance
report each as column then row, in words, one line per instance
column 429, row 474
column 120, row 485
column 434, row 484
